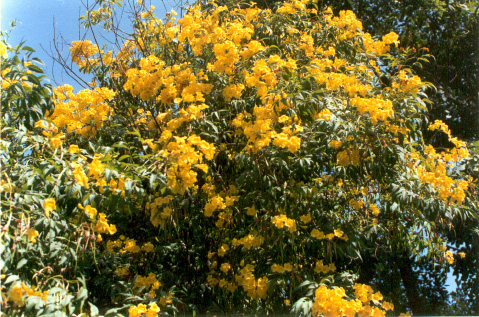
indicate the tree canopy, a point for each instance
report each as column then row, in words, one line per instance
column 235, row 160
column 445, row 33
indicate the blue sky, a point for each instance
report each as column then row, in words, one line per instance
column 39, row 21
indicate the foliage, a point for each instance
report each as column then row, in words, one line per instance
column 445, row 33
column 238, row 160
column 42, row 260
column 444, row 40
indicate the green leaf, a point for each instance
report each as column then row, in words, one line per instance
column 93, row 310
column 82, row 294
column 34, row 79
column 21, row 263
column 35, row 68
column 28, row 48
column 112, row 312
column 11, row 278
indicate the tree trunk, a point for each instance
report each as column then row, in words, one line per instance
column 409, row 280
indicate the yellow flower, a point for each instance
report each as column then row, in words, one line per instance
column 137, row 311
column 56, row 141
column 387, row 306
column 350, row 156
column 338, row 233
column 273, row 59
column 32, row 235
column 165, row 300
column 102, row 225
column 130, row 246
column 92, row 212
column 153, row 310
column 123, row 271
column 294, row 144
column 282, row 221
column 288, row 267
column 374, row 209
column 321, row 268
column 214, row 204
column 377, row 297
column 277, row 268
column 96, row 168
column 16, row 295
column 356, row 204
column 233, row 91
column 3, row 50
column 79, row 175
column 343, row 158
column 225, row 267
column 73, row 149
column 251, row 211
column 222, row 251
column 315, row 233
column 148, row 247
column 306, row 218
column 335, row 144
column 49, row 205
column 449, row 257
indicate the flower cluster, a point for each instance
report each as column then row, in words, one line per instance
column 82, row 51
column 150, row 283
column 140, row 309
column 282, row 221
column 249, row 241
column 82, row 113
column 17, row 294
column 333, row 302
column 255, row 288
column 321, row 268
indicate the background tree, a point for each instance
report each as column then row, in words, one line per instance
column 447, row 30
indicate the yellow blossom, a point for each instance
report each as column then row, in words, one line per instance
column 374, row 209
column 49, row 205
column 91, row 212
column 73, row 149
column 3, row 50
column 16, row 295
column 251, row 211
column 223, row 249
column 387, row 306
column 335, row 144
column 148, row 247
column 306, row 218
column 32, row 235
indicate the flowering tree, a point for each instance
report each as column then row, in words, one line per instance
column 236, row 160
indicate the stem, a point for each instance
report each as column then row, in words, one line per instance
column 409, row 280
